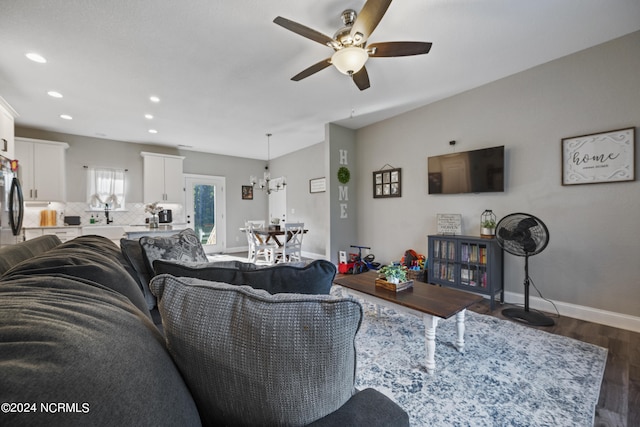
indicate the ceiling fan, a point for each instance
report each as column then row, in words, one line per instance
column 350, row 43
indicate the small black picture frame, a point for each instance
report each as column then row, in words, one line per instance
column 247, row 192
column 387, row 183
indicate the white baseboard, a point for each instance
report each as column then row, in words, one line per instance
column 313, row 256
column 596, row 315
column 237, row 249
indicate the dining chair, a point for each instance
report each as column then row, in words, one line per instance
column 291, row 249
column 257, row 247
column 257, row 223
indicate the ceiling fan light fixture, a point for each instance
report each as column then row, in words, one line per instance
column 349, row 60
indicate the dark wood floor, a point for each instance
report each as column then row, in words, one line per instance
column 619, row 403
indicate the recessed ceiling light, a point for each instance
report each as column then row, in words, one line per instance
column 148, row 116
column 153, row 131
column 54, row 94
column 154, row 99
column 66, row 117
column 36, row 57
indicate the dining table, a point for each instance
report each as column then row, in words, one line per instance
column 269, row 234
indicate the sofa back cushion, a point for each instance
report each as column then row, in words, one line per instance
column 66, row 340
column 252, row 358
column 14, row 254
column 132, row 252
column 94, row 258
column 314, row 278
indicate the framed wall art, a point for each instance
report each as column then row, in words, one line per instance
column 317, row 185
column 599, row 158
column 247, row 192
column 387, row 183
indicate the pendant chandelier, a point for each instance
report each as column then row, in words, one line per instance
column 267, row 183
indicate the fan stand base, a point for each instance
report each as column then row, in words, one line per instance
column 531, row 318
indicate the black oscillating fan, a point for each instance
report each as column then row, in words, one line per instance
column 524, row 235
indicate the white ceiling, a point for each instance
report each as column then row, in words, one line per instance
column 222, row 69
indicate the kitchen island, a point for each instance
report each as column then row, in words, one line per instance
column 138, row 231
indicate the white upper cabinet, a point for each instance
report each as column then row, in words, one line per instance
column 41, row 168
column 162, row 178
column 7, row 130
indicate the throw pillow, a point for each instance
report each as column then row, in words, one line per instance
column 183, row 246
column 314, row 278
column 252, row 358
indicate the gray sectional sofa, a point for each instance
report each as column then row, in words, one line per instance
column 83, row 343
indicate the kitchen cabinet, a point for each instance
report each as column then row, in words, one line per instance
column 162, row 179
column 41, row 169
column 7, row 130
column 64, row 233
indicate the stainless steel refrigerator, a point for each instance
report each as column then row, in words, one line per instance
column 11, row 203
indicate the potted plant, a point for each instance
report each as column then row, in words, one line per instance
column 488, row 224
column 488, row 228
column 394, row 273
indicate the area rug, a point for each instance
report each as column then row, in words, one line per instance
column 509, row 375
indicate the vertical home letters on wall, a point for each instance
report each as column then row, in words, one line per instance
column 343, row 188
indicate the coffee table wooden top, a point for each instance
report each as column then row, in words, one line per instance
column 426, row 298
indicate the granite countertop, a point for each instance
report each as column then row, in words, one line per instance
column 160, row 228
column 38, row 227
column 144, row 230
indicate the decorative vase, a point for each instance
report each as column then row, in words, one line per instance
column 154, row 221
column 487, row 233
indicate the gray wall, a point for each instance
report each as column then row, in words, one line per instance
column 343, row 207
column 302, row 206
column 591, row 259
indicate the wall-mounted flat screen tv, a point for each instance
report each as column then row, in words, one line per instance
column 476, row 171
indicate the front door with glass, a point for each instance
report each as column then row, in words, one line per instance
column 205, row 210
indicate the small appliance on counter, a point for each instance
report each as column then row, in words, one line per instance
column 71, row 220
column 165, row 216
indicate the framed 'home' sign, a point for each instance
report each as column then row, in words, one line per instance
column 600, row 157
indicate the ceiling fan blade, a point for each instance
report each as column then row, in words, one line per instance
column 312, row 70
column 304, row 31
column 368, row 19
column 390, row 49
column 361, row 79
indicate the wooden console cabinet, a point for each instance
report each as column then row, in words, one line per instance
column 467, row 263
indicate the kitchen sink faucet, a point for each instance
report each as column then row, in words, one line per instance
column 106, row 213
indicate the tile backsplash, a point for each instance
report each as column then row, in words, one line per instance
column 133, row 214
